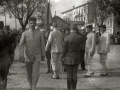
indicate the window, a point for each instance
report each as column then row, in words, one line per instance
column 84, row 18
column 108, row 22
column 81, row 18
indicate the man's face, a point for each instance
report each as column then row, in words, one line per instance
column 32, row 24
column 88, row 30
column 81, row 31
column 67, row 31
column 102, row 30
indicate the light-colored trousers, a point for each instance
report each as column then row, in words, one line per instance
column 89, row 60
column 103, row 58
column 33, row 70
column 56, row 63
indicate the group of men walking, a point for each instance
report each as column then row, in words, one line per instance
column 68, row 51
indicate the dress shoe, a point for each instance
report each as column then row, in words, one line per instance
column 47, row 72
column 92, row 73
column 89, row 75
column 83, row 69
column 86, row 76
column 104, row 74
column 55, row 77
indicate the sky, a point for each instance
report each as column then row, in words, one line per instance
column 62, row 5
column 56, row 5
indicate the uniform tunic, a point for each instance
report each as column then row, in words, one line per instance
column 71, row 53
column 32, row 45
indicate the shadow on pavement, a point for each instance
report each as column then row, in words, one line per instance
column 39, row 88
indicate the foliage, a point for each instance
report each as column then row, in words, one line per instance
column 24, row 9
column 104, row 8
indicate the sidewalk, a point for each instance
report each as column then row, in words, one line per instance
column 18, row 81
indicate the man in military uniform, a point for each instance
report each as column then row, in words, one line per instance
column 55, row 45
column 6, row 57
column 32, row 48
column 90, row 49
column 104, row 49
column 71, row 56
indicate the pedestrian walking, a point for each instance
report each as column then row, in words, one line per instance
column 32, row 48
column 71, row 56
column 90, row 49
column 55, row 43
column 48, row 54
column 104, row 49
column 82, row 47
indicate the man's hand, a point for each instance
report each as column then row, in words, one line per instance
column 22, row 59
column 43, row 57
column 104, row 52
column 62, row 60
column 91, row 53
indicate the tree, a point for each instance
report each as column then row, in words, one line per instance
column 102, row 11
column 115, row 4
column 104, row 8
column 24, row 9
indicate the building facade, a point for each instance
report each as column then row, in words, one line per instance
column 86, row 13
column 81, row 13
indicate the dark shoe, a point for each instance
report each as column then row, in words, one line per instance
column 47, row 72
column 92, row 73
column 83, row 69
column 54, row 77
column 57, row 77
column 104, row 74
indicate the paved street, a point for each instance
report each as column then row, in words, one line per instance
column 17, row 80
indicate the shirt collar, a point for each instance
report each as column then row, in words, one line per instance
column 31, row 30
column 73, row 31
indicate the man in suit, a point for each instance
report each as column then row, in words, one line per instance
column 82, row 47
column 71, row 56
column 104, row 49
column 55, row 43
column 32, row 48
column 90, row 49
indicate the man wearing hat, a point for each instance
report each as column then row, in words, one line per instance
column 71, row 56
column 90, row 49
column 104, row 49
column 55, row 43
column 32, row 48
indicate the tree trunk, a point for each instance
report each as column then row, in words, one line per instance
column 99, row 30
column 23, row 28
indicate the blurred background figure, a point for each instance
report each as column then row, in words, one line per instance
column 82, row 33
column 104, row 49
column 90, row 49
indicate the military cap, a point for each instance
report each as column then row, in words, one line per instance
column 73, row 26
column 89, row 26
column 32, row 19
column 103, row 26
column 54, row 24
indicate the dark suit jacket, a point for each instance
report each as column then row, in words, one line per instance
column 71, row 53
column 82, row 45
